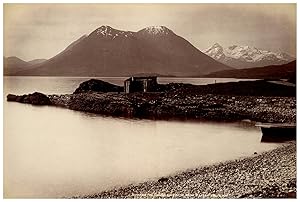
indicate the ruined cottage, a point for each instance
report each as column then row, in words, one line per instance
column 140, row 84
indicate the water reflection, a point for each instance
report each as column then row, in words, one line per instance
column 55, row 152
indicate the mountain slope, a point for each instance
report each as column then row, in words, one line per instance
column 285, row 71
column 110, row 52
column 244, row 56
column 36, row 61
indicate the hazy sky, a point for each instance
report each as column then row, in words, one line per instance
column 42, row 30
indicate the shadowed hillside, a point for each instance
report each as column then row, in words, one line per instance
column 286, row 71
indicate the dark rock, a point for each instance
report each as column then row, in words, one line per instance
column 291, row 194
column 11, row 97
column 95, row 85
column 163, row 180
column 35, row 99
column 255, row 152
column 38, row 99
column 20, row 98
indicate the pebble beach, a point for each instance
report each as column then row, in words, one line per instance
column 271, row 174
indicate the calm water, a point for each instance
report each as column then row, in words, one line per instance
column 55, row 152
column 61, row 85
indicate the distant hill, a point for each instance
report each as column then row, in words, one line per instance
column 14, row 64
column 110, row 52
column 285, row 71
column 241, row 57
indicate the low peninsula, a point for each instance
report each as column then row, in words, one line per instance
column 259, row 101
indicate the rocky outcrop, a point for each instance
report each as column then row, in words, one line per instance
column 254, row 100
column 167, row 106
column 34, row 99
column 95, row 85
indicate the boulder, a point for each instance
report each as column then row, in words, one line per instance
column 163, row 180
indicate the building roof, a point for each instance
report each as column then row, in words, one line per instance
column 141, row 77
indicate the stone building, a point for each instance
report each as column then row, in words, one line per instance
column 140, row 84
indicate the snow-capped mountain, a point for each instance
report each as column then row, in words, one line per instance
column 157, row 30
column 111, row 33
column 245, row 56
column 110, row 52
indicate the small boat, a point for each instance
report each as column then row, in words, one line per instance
column 277, row 132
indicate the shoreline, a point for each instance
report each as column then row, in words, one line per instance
column 271, row 174
column 259, row 101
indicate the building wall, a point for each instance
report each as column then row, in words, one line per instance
column 140, row 85
column 127, row 86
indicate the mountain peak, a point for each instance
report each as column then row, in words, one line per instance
column 105, row 28
column 157, row 30
column 109, row 32
column 217, row 45
column 216, row 50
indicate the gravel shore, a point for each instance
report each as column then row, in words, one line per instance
column 268, row 175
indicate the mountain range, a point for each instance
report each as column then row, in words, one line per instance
column 111, row 52
column 15, row 64
column 241, row 57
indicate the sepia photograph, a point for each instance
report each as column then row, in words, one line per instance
column 149, row 100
